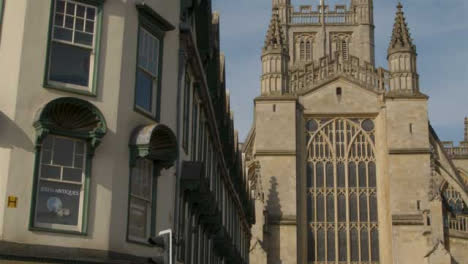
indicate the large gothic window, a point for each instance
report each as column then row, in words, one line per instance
column 341, row 191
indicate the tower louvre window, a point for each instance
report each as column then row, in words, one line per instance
column 302, row 49
column 344, row 49
column 342, row 153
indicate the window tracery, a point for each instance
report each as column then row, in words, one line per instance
column 304, row 47
column 341, row 193
column 340, row 43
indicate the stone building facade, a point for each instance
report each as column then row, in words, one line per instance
column 343, row 163
column 116, row 125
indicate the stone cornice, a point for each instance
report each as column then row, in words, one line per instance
column 275, row 98
column 275, row 153
column 409, row 151
column 407, row 219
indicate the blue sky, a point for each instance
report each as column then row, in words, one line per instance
column 439, row 29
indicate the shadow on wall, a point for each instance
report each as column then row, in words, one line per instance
column 274, row 215
column 13, row 136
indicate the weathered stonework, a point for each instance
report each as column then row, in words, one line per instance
column 332, row 79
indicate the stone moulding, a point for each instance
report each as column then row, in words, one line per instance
column 407, row 219
column 409, row 151
column 275, row 153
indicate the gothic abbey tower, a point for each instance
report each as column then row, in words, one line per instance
column 344, row 164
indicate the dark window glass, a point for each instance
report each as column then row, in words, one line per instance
column 330, row 180
column 372, row 176
column 70, row 174
column 319, row 179
column 320, row 245
column 331, row 244
column 310, row 208
column 144, row 91
column 368, row 125
column 310, row 175
column 340, row 169
column 310, row 245
column 375, row 244
column 320, row 208
column 354, row 245
column 373, row 208
column 341, row 208
column 58, row 203
column 60, row 6
column 352, row 208
column 342, row 244
column 364, row 245
column 352, row 174
column 330, row 208
column 363, row 207
column 362, row 174
column 63, row 151
column 69, row 64
column 50, row 172
column 312, row 125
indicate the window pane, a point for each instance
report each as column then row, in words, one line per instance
column 331, row 244
column 58, row 203
column 341, row 208
column 84, row 38
column 363, row 207
column 80, row 11
column 372, row 176
column 330, row 208
column 70, row 8
column 373, row 208
column 63, row 34
column 69, row 64
column 310, row 175
column 342, row 245
column 362, row 174
column 79, row 24
column 319, row 179
column 46, row 156
column 90, row 13
column 340, row 174
column 352, row 208
column 310, row 208
column 330, row 180
column 89, row 26
column 69, row 22
column 70, row 174
column 138, row 226
column 310, row 245
column 79, row 147
column 78, row 161
column 144, row 91
column 320, row 208
column 58, row 20
column 352, row 175
column 364, row 245
column 375, row 244
column 50, row 172
column 63, row 151
column 354, row 245
column 320, row 245
column 60, row 6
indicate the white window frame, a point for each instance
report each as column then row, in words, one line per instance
column 92, row 47
column 78, row 227
column 150, row 202
column 155, row 75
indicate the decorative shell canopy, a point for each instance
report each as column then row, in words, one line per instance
column 72, row 115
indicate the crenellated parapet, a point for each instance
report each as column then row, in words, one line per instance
column 308, row 15
column 314, row 74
